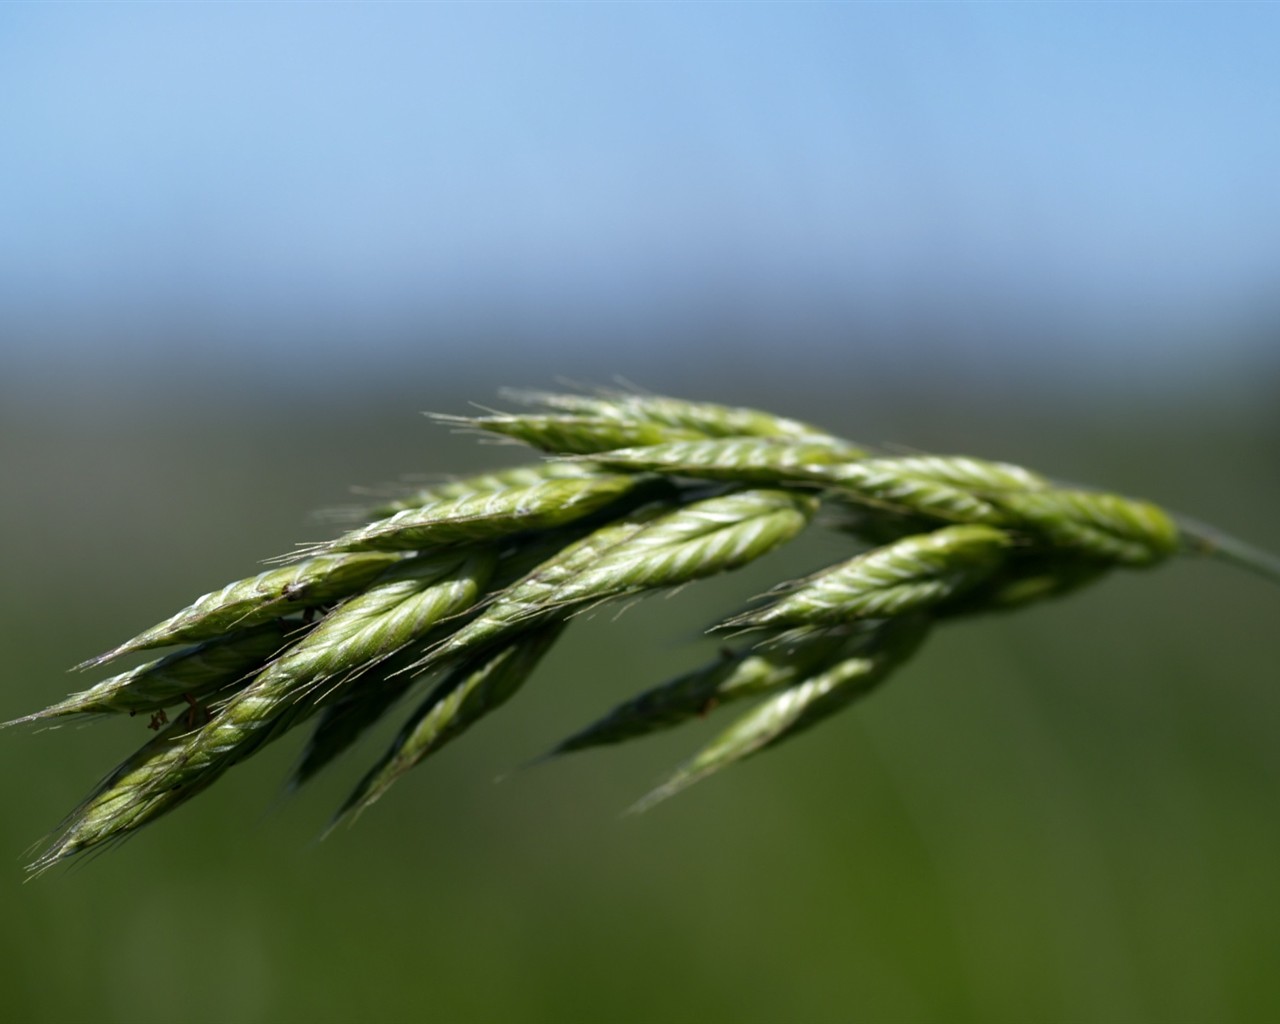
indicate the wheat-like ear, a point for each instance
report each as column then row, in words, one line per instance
column 472, row 581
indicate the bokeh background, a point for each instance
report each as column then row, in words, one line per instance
column 242, row 246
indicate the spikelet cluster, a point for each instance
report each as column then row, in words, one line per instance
column 459, row 590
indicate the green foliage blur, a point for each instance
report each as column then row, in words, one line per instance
column 1067, row 814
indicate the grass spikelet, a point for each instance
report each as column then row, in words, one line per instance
column 701, row 539
column 731, row 676
column 484, row 483
column 341, row 721
column 269, row 595
column 905, row 576
column 573, row 435
column 125, row 800
column 701, row 419
column 473, row 580
column 936, row 488
column 191, row 674
column 1101, row 526
column 977, row 475
column 477, row 516
column 798, row 707
column 463, row 697
column 740, row 459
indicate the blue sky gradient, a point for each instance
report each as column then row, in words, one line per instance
column 268, row 171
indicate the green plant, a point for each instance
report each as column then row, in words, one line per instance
column 466, row 585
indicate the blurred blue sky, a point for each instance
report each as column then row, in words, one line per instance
column 1036, row 183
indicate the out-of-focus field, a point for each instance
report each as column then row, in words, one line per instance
column 1065, row 815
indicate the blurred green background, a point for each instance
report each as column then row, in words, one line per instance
column 1065, row 815
column 243, row 245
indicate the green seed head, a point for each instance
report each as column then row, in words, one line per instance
column 481, row 516
column 903, row 577
column 698, row 419
column 799, row 706
column 1105, row 527
column 485, row 483
column 468, row 693
column 268, row 596
column 738, row 459
column 470, row 582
